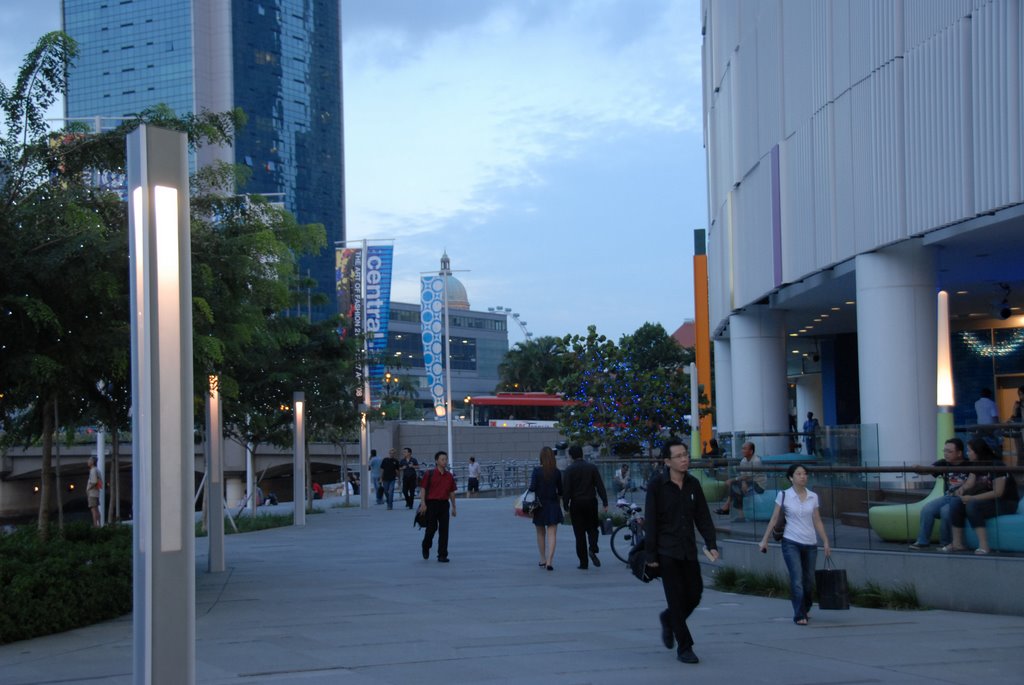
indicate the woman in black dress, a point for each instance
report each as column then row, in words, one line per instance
column 546, row 481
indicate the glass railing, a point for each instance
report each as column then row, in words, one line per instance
column 872, row 507
column 863, row 506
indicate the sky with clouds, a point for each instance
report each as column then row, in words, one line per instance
column 553, row 148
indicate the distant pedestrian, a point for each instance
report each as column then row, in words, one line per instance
column 410, row 474
column 375, row 476
column 810, row 433
column 581, row 487
column 438, row 494
column 623, row 481
column 799, row 544
column 473, row 483
column 546, row 483
column 987, row 416
column 675, row 505
column 92, row 491
column 389, row 468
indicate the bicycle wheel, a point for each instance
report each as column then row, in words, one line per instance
column 622, row 542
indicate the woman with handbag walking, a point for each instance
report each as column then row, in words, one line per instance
column 546, row 483
column 799, row 543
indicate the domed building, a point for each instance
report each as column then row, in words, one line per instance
column 457, row 297
column 478, row 343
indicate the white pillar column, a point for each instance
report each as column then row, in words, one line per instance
column 759, row 392
column 896, row 346
column 299, row 458
column 723, row 387
column 163, row 473
column 214, row 479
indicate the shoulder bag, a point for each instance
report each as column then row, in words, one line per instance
column 780, row 523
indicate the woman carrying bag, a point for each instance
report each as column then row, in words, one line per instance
column 546, row 483
column 799, row 543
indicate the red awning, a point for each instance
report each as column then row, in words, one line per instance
column 519, row 399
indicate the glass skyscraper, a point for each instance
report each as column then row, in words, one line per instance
column 278, row 60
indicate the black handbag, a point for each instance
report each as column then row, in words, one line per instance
column 833, row 590
column 420, row 519
column 637, row 561
column 780, row 523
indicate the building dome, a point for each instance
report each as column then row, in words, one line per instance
column 457, row 298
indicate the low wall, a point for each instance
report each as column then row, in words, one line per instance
column 958, row 582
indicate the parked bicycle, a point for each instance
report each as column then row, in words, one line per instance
column 629, row 533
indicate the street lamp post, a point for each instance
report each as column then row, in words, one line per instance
column 162, row 421
column 390, row 382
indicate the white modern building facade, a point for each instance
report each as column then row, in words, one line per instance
column 862, row 156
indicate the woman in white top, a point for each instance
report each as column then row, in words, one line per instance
column 799, row 544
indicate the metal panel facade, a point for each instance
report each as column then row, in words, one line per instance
column 893, row 118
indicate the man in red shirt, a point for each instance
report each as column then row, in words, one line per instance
column 438, row 488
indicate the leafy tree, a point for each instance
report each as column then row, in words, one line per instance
column 530, row 365
column 627, row 395
column 64, row 293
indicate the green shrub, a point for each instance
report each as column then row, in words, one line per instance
column 871, row 595
column 248, row 524
column 64, row 583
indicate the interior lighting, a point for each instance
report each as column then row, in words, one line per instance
column 1002, row 348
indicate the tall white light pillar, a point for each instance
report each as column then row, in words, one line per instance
column 759, row 391
column 214, row 478
column 944, row 377
column 163, row 474
column 299, row 462
column 896, row 334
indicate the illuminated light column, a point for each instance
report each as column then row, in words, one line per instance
column 214, row 478
column 163, row 610
column 299, row 467
column 944, row 377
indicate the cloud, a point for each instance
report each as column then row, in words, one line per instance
column 441, row 121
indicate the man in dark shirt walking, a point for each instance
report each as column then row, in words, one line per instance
column 410, row 473
column 675, row 504
column 582, row 486
column 389, row 468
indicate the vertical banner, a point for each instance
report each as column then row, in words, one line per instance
column 348, row 265
column 378, row 313
column 432, row 327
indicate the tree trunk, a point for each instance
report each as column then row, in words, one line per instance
column 46, row 472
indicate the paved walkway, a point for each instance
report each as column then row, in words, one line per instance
column 348, row 599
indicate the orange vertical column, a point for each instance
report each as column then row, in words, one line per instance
column 703, row 330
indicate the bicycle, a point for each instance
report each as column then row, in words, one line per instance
column 629, row 533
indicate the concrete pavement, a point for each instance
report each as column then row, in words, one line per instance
column 348, row 599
